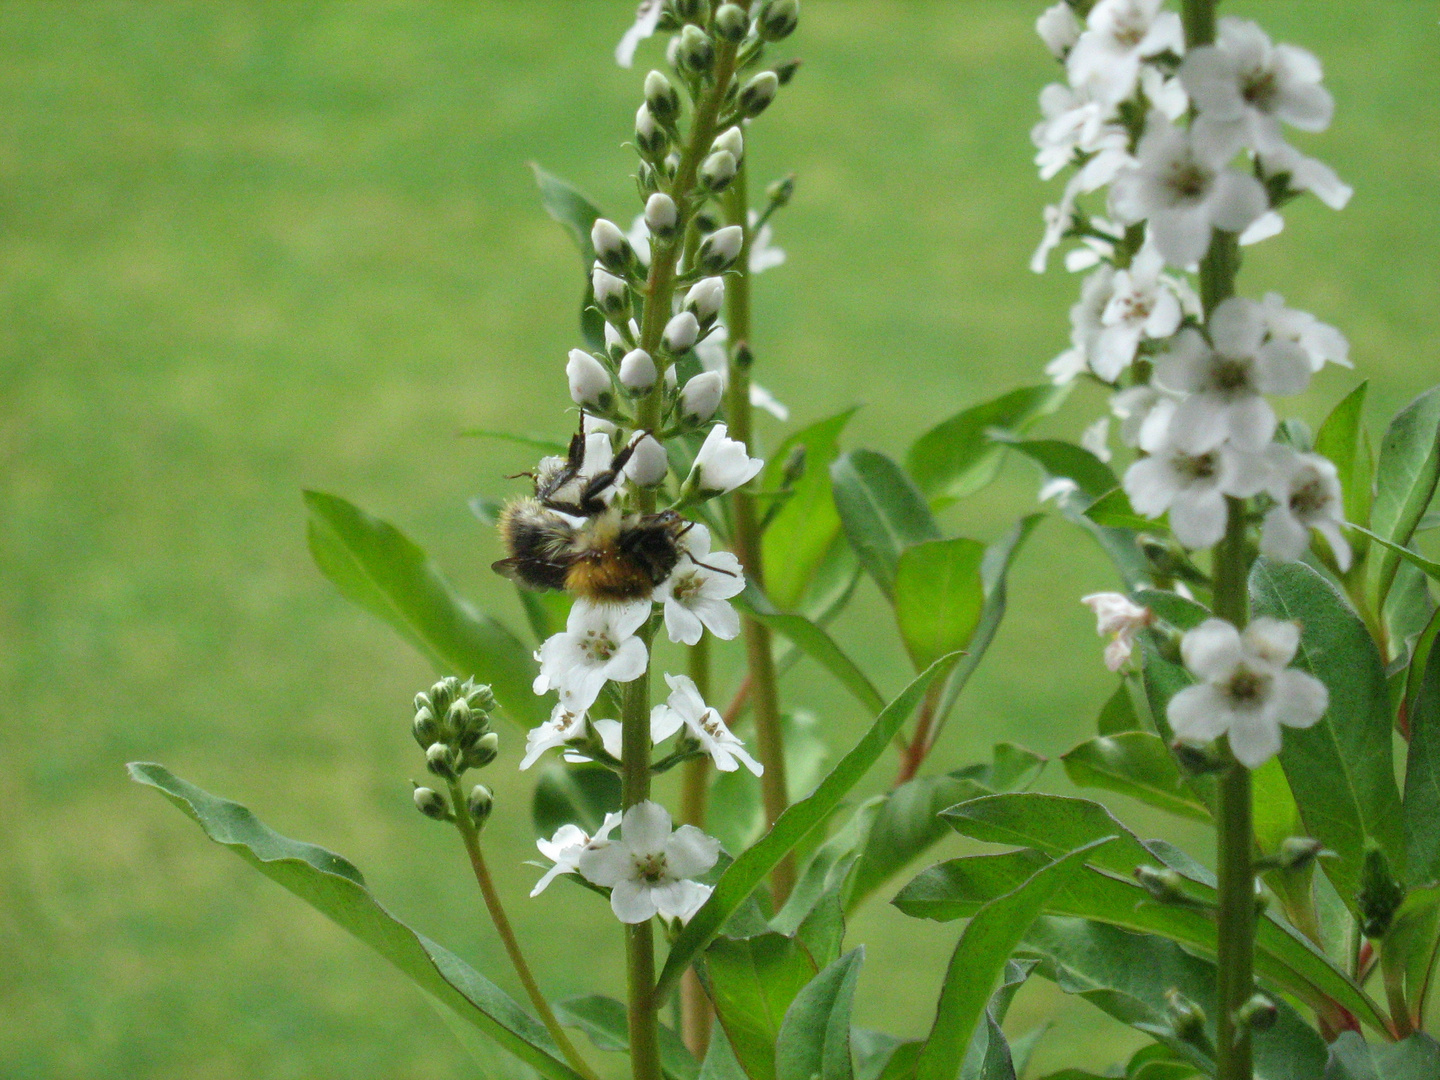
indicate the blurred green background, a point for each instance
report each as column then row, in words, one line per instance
column 250, row 248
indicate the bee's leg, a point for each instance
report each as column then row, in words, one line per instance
column 715, row 569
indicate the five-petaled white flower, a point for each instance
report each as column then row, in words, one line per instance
column 1184, row 189
column 1319, row 341
column 1143, row 304
column 1192, row 486
column 562, row 726
column 1225, row 378
column 565, row 848
column 648, row 870
column 1306, row 490
column 597, row 644
column 1119, row 34
column 723, row 464
column 1247, row 690
column 1119, row 620
column 695, row 594
column 1243, row 87
column 686, row 708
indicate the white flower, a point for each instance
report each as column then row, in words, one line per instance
column 1184, row 191
column 637, row 371
column 612, row 738
column 696, row 591
column 763, row 254
column 1246, row 689
column 1306, row 490
column 720, row 249
column 589, row 381
column 1263, row 227
column 1192, row 486
column 1307, row 174
column 1120, row 620
column 732, row 141
column 1144, row 413
column 1319, row 341
column 1118, row 35
column 608, row 241
column 686, row 708
column 701, row 396
column 1058, row 29
column 1110, row 161
column 562, row 726
column 1094, row 250
column 1085, row 325
column 1096, row 438
column 648, row 870
column 1142, row 304
column 648, row 464
column 565, row 848
column 597, row 644
column 723, row 464
column 1167, row 95
column 1074, row 121
column 647, row 16
column 1244, row 87
column 1224, row 380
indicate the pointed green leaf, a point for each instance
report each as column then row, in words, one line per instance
column 958, row 456
column 814, row 1041
column 337, row 890
column 1066, row 461
column 1422, row 779
column 979, row 958
column 1405, row 478
column 1429, row 567
column 1340, row 770
column 1341, row 438
column 881, row 512
column 1118, row 713
column 752, row 982
column 747, row 871
column 1351, row 1058
column 564, row 203
column 1113, row 511
column 1138, row 764
column 815, row 643
column 377, row 567
column 938, row 597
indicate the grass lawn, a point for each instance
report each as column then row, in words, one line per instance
column 250, row 248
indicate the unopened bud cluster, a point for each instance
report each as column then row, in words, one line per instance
column 452, row 727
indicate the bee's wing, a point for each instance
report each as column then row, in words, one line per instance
column 509, row 568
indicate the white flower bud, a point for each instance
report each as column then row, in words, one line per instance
column 480, row 803
column 717, row 170
column 777, row 18
column 612, row 295
column 697, row 51
column 704, row 299
column 681, row 332
column 701, row 396
column 1058, row 29
column 611, row 248
column 720, row 249
column 647, row 465
column 664, row 102
column 615, row 346
column 732, row 140
column 660, row 216
column 431, row 803
column 650, row 137
column 637, row 371
column 589, row 381
column 731, row 23
column 756, row 95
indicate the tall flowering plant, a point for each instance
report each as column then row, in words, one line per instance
column 1262, row 684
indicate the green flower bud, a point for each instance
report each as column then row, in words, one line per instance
column 482, row 751
column 479, row 695
column 1297, row 852
column 480, row 803
column 697, row 51
column 458, row 717
column 778, row 18
column 731, row 23
column 431, row 803
column 422, row 701
column 689, row 10
column 780, row 191
column 1380, row 894
column 1258, row 1013
column 1187, row 1019
column 661, row 97
column 1163, row 884
column 786, row 71
column 444, row 692
column 425, row 729
column 756, row 95
column 440, row 760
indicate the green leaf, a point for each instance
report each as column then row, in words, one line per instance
column 337, row 890
column 1405, row 477
column 800, row 535
column 979, row 958
column 747, row 871
column 815, row 643
column 1414, row 938
column 1063, row 460
column 814, row 1041
column 564, row 203
column 1117, row 715
column 879, row 1056
column 1340, row 770
column 822, row 931
column 828, row 867
column 1428, row 566
column 1113, row 511
column 1138, row 764
column 720, row 1063
column 752, row 982
column 1127, row 975
column 1422, row 779
column 736, row 815
column 377, row 567
column 1351, row 1058
column 881, row 511
column 1341, row 438
column 574, row 794
column 1415, row 670
column 1173, row 608
column 938, row 597
column 958, row 456
column 604, row 1020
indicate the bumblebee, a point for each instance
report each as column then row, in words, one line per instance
column 568, row 537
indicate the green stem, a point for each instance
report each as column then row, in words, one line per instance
column 695, row 1014
column 470, row 833
column 1392, row 968
column 760, row 656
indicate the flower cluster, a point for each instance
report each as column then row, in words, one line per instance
column 1190, row 150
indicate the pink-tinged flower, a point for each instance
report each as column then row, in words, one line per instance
column 1119, row 620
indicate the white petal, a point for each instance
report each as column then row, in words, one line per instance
column 632, row 902
column 606, row 864
column 1283, row 537
column 646, row 18
column 1236, row 327
column 1338, row 544
column 689, row 852
column 1272, row 642
column 1200, row 423
column 682, row 899
column 1249, row 422
column 1238, row 200
column 1148, row 488
column 1254, row 738
column 719, row 617
column 681, row 624
column 549, row 876
column 1212, row 650
column 1300, row 700
column 664, row 722
column 1183, row 235
column 645, row 827
column 1198, row 520
column 1282, row 368
column 1198, row 714
column 627, row 662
